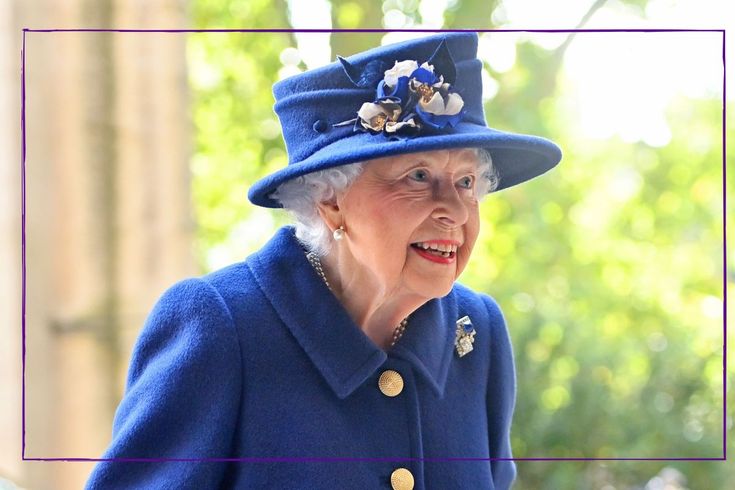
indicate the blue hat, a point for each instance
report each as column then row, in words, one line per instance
column 419, row 95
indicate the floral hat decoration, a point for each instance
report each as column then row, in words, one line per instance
column 419, row 95
column 410, row 97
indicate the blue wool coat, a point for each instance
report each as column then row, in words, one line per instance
column 259, row 360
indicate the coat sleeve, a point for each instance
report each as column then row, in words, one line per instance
column 182, row 396
column 500, row 397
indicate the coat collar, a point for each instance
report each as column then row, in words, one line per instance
column 341, row 352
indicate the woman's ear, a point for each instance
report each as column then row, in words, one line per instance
column 331, row 213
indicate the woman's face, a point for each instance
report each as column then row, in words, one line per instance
column 401, row 205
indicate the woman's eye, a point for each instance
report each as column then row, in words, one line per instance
column 466, row 182
column 419, row 175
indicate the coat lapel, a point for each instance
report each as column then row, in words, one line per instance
column 343, row 355
column 428, row 342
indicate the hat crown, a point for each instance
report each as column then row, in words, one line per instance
column 310, row 104
column 462, row 46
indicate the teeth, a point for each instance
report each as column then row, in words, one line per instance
column 438, row 247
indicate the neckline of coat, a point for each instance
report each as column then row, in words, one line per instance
column 338, row 348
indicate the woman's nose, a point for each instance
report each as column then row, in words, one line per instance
column 449, row 208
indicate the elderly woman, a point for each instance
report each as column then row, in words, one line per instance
column 343, row 354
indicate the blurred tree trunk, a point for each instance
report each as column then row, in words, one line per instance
column 363, row 14
column 108, row 222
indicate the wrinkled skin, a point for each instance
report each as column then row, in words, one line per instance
column 395, row 202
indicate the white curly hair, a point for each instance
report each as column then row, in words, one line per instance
column 301, row 195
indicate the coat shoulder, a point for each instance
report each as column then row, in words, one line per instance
column 233, row 283
column 234, row 276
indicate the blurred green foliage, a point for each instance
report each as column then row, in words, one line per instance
column 613, row 302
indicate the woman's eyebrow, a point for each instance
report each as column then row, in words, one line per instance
column 403, row 167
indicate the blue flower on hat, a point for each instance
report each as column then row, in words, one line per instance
column 395, row 80
column 409, row 97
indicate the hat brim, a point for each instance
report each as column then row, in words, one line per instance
column 517, row 157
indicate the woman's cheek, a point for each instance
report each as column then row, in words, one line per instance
column 470, row 238
column 463, row 256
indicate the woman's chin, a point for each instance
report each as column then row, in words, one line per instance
column 436, row 288
column 434, row 276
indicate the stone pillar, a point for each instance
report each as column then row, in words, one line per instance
column 108, row 222
column 10, row 257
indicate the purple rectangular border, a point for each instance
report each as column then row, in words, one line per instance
column 254, row 460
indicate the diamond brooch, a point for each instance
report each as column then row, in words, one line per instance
column 465, row 336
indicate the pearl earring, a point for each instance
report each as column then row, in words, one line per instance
column 339, row 233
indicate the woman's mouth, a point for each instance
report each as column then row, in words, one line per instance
column 442, row 254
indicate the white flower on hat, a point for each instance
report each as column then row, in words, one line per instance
column 437, row 105
column 378, row 116
column 393, row 126
column 400, row 69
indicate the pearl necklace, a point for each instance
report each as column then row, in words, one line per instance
column 317, row 264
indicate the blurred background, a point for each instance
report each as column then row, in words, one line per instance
column 609, row 269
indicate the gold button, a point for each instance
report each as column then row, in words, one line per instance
column 401, row 479
column 390, row 383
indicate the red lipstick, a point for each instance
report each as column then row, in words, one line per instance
column 435, row 258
